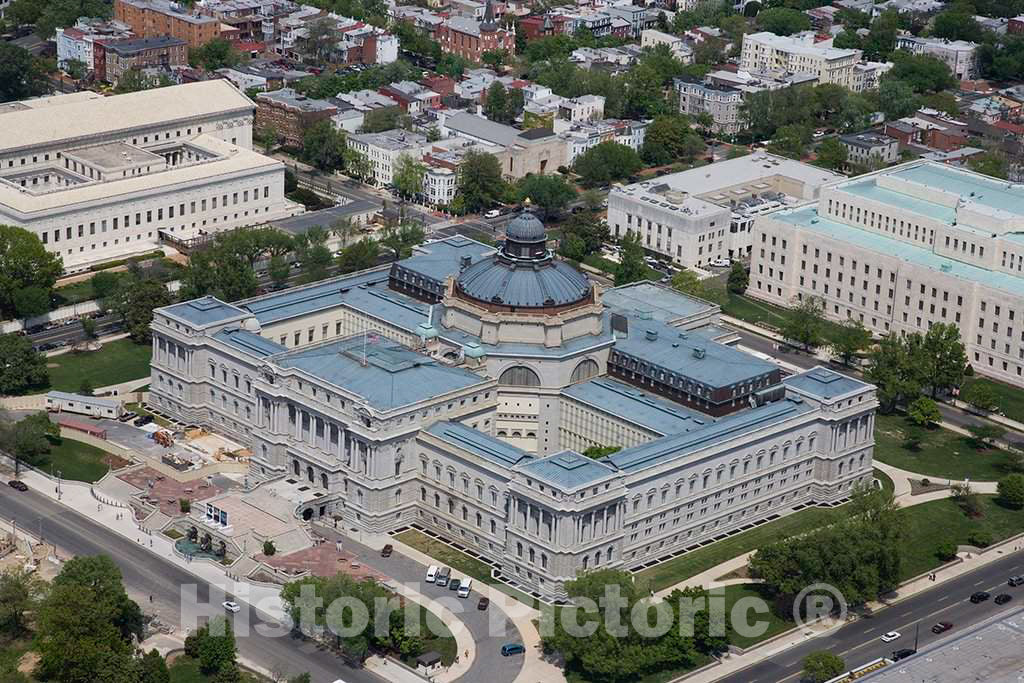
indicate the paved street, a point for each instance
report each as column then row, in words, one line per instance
column 490, row 628
column 146, row 574
column 858, row 642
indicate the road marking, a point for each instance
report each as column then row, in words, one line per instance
column 979, row 583
column 944, row 597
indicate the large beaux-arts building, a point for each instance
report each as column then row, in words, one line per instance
column 99, row 178
column 455, row 391
column 902, row 249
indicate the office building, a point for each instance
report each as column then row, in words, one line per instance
column 766, row 51
column 698, row 216
column 903, row 248
column 100, row 178
column 453, row 391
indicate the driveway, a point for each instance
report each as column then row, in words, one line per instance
column 490, row 629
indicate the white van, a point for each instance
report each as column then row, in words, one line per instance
column 465, row 587
column 431, row 573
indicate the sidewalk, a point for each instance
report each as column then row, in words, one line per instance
column 901, row 481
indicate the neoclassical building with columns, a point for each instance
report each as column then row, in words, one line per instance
column 456, row 391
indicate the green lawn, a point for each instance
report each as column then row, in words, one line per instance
column 118, row 361
column 942, row 454
column 928, row 525
column 75, row 460
column 186, row 670
column 436, row 637
column 887, row 484
column 137, row 408
column 460, row 562
column 696, row 561
column 1011, row 399
column 776, row 624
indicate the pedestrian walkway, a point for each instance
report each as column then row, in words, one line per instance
column 903, row 497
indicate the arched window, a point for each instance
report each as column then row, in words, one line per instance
column 502, row 432
column 437, row 500
column 479, row 520
column 323, row 481
column 423, row 494
column 494, row 527
column 543, row 561
column 295, row 467
column 309, row 474
column 584, row 371
column 519, row 376
column 533, row 556
column 398, row 496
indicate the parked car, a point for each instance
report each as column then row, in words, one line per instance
column 1003, row 598
column 980, row 596
column 453, row 584
column 512, row 649
column 720, row 262
column 231, row 606
column 18, row 485
column 387, row 550
column 1016, row 580
column 942, row 627
column 127, row 416
column 493, row 213
column 143, row 420
column 483, row 603
column 442, row 576
column 891, row 636
column 903, row 654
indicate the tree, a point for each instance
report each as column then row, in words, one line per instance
column 88, row 327
column 805, row 323
column 85, row 388
column 494, row 58
column 923, row 73
column 267, row 137
column 22, row 367
column 831, row 154
column 923, row 412
column 134, row 301
column 791, row 140
column 496, row 105
column 268, row 548
column 586, row 233
column 631, row 260
column 31, row 301
column 21, row 75
column 402, row 237
column 219, row 272
column 687, row 282
column 605, row 162
column 323, row 146
column 85, row 623
column 312, row 252
column 943, row 358
column 213, row 645
column 912, row 437
column 822, row 666
column 669, row 138
column 357, row 165
column 981, row 395
column 154, row 668
column 957, row 24
column 739, row 278
column 407, row 175
column 896, row 98
column 849, row 338
column 104, row 283
column 24, row 263
column 134, row 80
column 279, row 271
column 359, row 256
column 892, row 368
column 385, row 118
column 1011, row 491
column 552, row 193
column 480, row 185
column 20, row 593
column 783, row 21
column 218, row 53
column 992, row 163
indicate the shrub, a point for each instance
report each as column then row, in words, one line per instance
column 926, row 482
column 946, row 551
column 268, row 548
column 981, row 538
column 185, row 505
column 1011, row 491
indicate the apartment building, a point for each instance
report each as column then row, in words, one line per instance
column 651, row 38
column 164, row 53
column 76, row 43
column 100, row 178
column 799, row 54
column 698, row 216
column 870, row 149
column 384, row 149
column 153, row 18
column 903, row 248
column 959, row 55
column 290, row 113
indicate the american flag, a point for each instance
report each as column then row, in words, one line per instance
column 372, row 338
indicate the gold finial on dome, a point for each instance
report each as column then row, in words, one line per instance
column 526, row 202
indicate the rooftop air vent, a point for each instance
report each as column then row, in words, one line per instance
column 652, row 335
column 699, row 352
